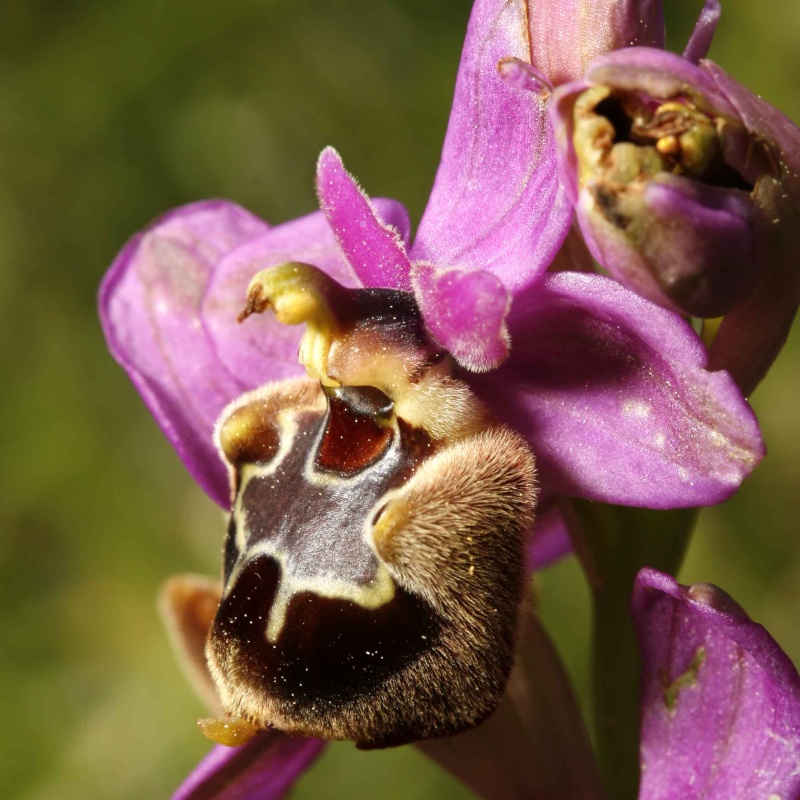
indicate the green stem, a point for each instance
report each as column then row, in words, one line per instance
column 614, row 543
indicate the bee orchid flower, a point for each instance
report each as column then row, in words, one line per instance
column 380, row 489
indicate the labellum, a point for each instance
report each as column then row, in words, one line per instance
column 374, row 566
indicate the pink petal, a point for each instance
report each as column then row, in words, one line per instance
column 263, row 769
column 497, row 204
column 720, row 700
column 374, row 249
column 567, row 35
column 700, row 41
column 465, row 312
column 611, row 392
column 150, row 302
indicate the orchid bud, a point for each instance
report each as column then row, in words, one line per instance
column 663, row 171
column 687, row 191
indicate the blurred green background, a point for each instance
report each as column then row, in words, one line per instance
column 112, row 111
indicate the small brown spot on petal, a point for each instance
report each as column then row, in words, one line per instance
column 709, row 595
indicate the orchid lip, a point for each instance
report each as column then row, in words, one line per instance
column 345, row 489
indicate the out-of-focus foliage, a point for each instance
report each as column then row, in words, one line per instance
column 110, row 113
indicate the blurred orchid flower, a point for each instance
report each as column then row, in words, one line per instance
column 609, row 391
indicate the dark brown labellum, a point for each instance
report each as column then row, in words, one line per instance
column 373, row 567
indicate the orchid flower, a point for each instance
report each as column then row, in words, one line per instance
column 686, row 190
column 438, row 371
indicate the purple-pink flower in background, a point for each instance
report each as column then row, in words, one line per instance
column 720, row 700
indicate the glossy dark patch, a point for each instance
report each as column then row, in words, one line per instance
column 329, row 651
column 356, row 433
column 365, row 400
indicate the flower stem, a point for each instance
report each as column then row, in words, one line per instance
column 614, row 543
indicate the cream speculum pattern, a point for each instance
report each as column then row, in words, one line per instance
column 374, row 560
column 331, row 501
